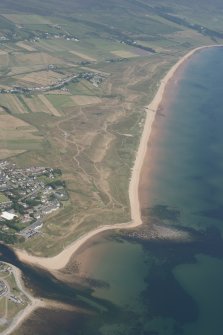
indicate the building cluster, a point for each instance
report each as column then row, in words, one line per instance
column 5, row 268
column 3, row 288
column 27, row 196
column 51, row 35
column 116, row 59
column 37, row 35
column 137, row 45
column 15, row 299
column 95, row 78
column 60, row 83
column 3, row 38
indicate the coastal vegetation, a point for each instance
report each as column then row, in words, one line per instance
column 88, row 127
column 76, row 80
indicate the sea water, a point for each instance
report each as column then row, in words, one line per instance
column 168, row 286
column 160, row 286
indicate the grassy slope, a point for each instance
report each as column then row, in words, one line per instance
column 95, row 156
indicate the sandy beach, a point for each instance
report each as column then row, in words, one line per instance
column 59, row 261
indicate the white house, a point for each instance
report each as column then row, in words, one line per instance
column 8, row 216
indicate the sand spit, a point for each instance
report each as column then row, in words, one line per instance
column 33, row 305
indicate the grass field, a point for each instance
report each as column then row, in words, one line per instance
column 25, row 46
column 12, row 102
column 16, row 136
column 34, row 58
column 83, row 56
column 41, row 78
column 82, row 100
column 14, row 128
column 3, row 197
column 27, row 19
column 124, row 54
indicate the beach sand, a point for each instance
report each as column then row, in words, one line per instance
column 59, row 261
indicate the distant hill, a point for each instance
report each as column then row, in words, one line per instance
column 202, row 12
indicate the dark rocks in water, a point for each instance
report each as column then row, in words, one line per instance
column 162, row 212
column 95, row 283
column 161, row 232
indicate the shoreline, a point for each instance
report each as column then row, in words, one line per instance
column 59, row 261
column 33, row 305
